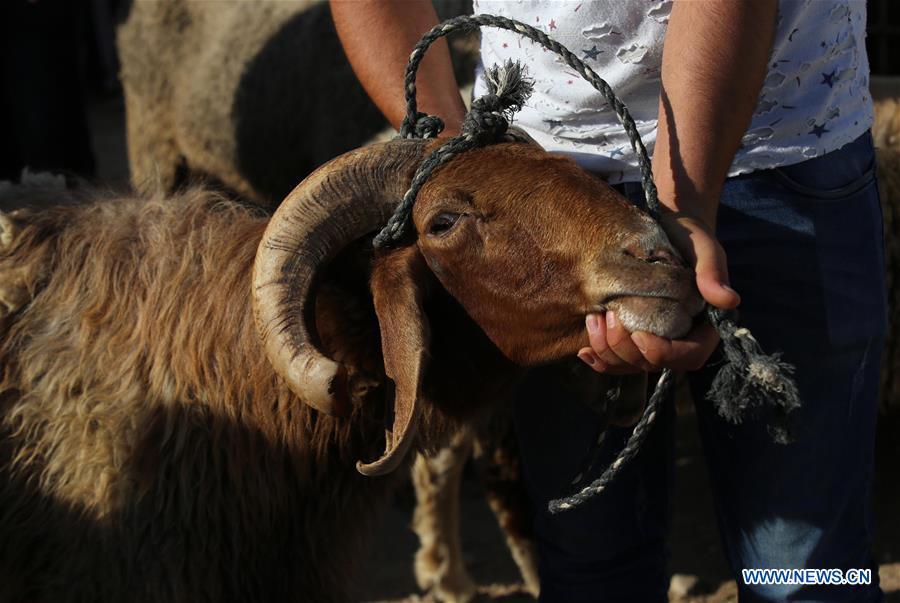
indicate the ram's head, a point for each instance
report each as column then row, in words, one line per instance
column 525, row 243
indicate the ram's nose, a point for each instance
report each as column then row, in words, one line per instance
column 653, row 247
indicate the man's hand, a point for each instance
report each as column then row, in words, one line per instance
column 616, row 351
column 714, row 61
column 694, row 237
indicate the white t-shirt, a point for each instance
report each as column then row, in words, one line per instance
column 815, row 98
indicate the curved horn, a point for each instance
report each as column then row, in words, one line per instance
column 341, row 201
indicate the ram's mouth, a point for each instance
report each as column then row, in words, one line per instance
column 626, row 294
column 658, row 313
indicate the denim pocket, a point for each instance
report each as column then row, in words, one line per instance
column 833, row 176
column 804, row 246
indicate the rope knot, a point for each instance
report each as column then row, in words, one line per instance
column 423, row 126
column 486, row 123
column 507, row 90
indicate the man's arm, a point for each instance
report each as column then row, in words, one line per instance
column 714, row 61
column 378, row 36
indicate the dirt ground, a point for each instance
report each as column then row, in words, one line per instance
column 700, row 572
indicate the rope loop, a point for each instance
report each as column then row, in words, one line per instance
column 484, row 119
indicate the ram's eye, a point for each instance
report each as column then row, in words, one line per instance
column 442, row 223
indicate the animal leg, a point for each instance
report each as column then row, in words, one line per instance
column 13, row 291
column 154, row 158
column 439, row 563
column 497, row 459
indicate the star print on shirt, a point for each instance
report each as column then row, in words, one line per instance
column 592, row 53
column 561, row 116
column 818, row 130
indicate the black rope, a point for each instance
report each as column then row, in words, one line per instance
column 471, row 22
column 485, row 123
column 748, row 380
column 421, row 125
column 632, row 447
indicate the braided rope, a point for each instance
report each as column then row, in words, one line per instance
column 632, row 447
column 465, row 23
column 421, row 125
column 748, row 379
column 399, row 223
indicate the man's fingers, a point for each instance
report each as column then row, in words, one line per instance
column 698, row 245
column 615, row 351
column 688, row 354
column 598, row 335
column 596, row 328
column 600, row 356
column 589, row 357
column 654, row 349
column 621, row 347
column 712, row 273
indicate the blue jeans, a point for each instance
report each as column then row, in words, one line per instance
column 805, row 251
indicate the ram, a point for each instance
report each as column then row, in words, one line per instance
column 194, row 395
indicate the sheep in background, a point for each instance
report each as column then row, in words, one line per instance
column 886, row 132
column 186, row 384
column 886, row 129
column 254, row 95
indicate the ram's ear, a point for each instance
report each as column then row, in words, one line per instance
column 400, row 281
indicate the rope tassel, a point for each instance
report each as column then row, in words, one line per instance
column 750, row 379
column 508, row 89
column 485, row 123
